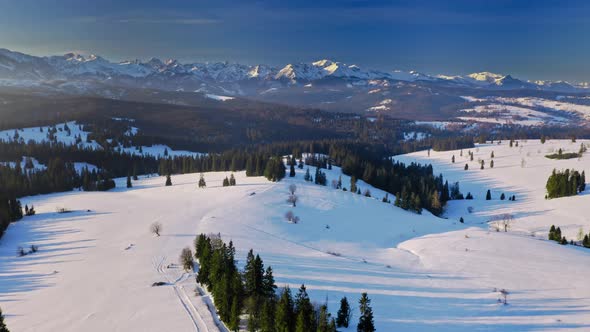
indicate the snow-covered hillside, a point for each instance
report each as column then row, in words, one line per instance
column 95, row 265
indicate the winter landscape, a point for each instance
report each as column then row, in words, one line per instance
column 308, row 166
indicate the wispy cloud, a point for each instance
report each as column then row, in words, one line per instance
column 181, row 21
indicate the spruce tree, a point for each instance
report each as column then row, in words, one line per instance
column 129, row 185
column 491, row 164
column 232, row 180
column 502, row 197
column 3, row 327
column 168, row 180
column 344, row 313
column 305, row 313
column 488, row 195
column 323, row 319
column 284, row 321
column 466, row 167
column 366, row 323
column 226, row 182
column 292, row 170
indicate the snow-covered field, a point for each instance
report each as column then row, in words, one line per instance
column 95, row 265
column 41, row 134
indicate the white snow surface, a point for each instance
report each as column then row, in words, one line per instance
column 422, row 273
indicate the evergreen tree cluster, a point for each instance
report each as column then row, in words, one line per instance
column 231, row 181
column 555, row 235
column 253, row 292
column 320, row 177
column 565, row 183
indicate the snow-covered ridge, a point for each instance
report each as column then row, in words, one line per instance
column 15, row 65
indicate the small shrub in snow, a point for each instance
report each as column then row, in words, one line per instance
column 62, row 210
column 156, row 228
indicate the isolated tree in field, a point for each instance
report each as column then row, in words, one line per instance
column 344, row 313
column 129, row 185
column 202, row 183
column 3, row 327
column 466, row 167
column 156, row 228
column 168, row 180
column 366, row 323
column 502, row 197
column 186, row 259
column 543, row 139
column 232, row 180
column 226, row 182
column 461, row 220
column 488, row 195
column 453, row 159
column 491, row 164
column 292, row 170
column 482, row 164
column 492, row 155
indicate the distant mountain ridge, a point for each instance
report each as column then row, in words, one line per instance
column 174, row 75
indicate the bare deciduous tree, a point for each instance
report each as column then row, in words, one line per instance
column 292, row 200
column 156, row 228
column 291, row 217
column 186, row 258
column 292, row 189
column 502, row 222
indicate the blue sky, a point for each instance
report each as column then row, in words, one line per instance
column 530, row 39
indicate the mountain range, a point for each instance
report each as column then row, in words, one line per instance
column 173, row 75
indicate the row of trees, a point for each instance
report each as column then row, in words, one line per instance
column 254, row 293
column 565, row 183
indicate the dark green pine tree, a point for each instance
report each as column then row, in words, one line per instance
column 226, row 182
column 344, row 313
column 284, row 320
column 267, row 316
column 232, row 180
column 488, row 195
column 292, row 169
column 366, row 323
column 552, row 233
column 323, row 319
column 129, row 185
column 466, row 167
column 268, row 284
column 304, row 311
column 168, row 180
column 3, row 327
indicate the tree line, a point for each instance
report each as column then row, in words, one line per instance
column 253, row 292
